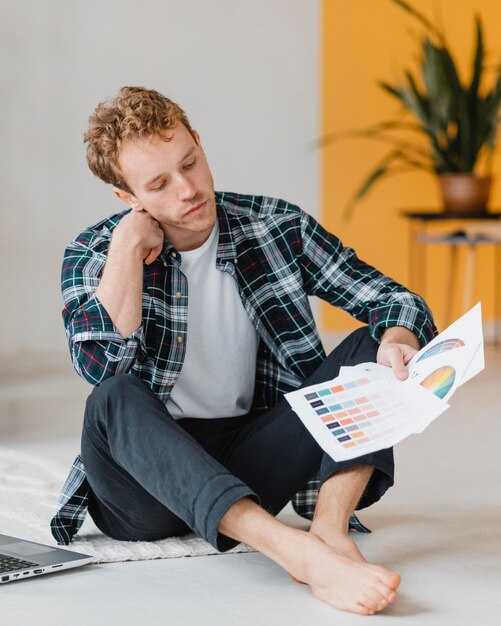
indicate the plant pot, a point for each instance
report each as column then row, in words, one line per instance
column 464, row 193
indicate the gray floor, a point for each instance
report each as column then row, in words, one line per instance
column 440, row 527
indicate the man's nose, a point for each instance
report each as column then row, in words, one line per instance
column 186, row 188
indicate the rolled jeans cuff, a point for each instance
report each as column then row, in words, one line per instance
column 380, row 481
column 209, row 512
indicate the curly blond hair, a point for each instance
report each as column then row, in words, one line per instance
column 134, row 113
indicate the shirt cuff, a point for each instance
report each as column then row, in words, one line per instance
column 416, row 319
column 119, row 352
column 93, row 324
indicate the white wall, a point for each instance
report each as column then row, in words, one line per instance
column 245, row 71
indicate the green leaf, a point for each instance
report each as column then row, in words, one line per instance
column 370, row 180
column 415, row 102
column 382, row 168
column 440, row 85
column 478, row 61
column 406, row 158
column 370, row 132
column 387, row 166
column 473, row 91
column 459, row 147
column 364, row 188
column 421, row 18
column 393, row 91
column 393, row 124
column 420, row 105
column 488, row 116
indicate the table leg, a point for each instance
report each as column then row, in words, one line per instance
column 417, row 259
column 469, row 277
column 449, row 291
column 497, row 294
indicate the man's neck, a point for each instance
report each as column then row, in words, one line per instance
column 184, row 240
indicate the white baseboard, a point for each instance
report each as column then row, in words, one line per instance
column 40, row 394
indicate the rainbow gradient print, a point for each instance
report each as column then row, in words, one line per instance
column 440, row 381
column 442, row 346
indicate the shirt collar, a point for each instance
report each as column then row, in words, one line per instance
column 226, row 249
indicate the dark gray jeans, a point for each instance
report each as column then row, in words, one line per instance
column 152, row 477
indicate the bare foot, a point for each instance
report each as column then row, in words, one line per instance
column 344, row 583
column 341, row 542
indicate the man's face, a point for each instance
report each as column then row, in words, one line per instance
column 171, row 180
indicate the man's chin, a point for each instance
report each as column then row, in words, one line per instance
column 202, row 221
column 195, row 225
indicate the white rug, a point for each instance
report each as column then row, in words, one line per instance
column 29, row 489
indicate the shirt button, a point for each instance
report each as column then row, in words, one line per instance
column 179, row 339
column 165, row 264
column 178, row 294
column 173, row 254
column 235, row 261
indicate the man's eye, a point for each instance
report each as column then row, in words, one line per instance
column 159, row 187
column 190, row 164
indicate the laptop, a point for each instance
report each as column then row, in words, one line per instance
column 21, row 559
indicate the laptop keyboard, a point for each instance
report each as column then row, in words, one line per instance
column 11, row 563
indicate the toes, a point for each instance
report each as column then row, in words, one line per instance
column 375, row 601
column 346, row 604
column 386, row 592
column 371, row 604
column 392, row 580
column 392, row 597
column 362, row 610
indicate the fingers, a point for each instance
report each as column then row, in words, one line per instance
column 152, row 235
column 397, row 364
column 409, row 353
column 153, row 254
column 394, row 354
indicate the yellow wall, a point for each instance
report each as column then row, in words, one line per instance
column 365, row 41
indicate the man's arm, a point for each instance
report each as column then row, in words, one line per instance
column 137, row 238
column 106, row 336
column 334, row 273
column 397, row 318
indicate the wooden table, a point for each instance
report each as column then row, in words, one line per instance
column 470, row 232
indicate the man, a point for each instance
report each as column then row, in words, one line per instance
column 189, row 312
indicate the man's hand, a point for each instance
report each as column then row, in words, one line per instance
column 398, row 346
column 137, row 238
column 140, row 232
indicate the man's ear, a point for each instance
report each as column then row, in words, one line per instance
column 127, row 197
column 196, row 137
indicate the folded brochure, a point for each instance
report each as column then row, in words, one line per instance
column 366, row 408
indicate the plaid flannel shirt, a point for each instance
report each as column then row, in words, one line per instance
column 278, row 255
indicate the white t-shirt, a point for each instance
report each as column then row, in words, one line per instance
column 218, row 373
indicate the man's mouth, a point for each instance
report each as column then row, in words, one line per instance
column 195, row 209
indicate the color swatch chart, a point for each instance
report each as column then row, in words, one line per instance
column 353, row 416
column 366, row 408
column 354, row 422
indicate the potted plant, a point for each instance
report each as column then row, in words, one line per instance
column 457, row 121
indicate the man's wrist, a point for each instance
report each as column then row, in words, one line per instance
column 126, row 248
column 400, row 334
